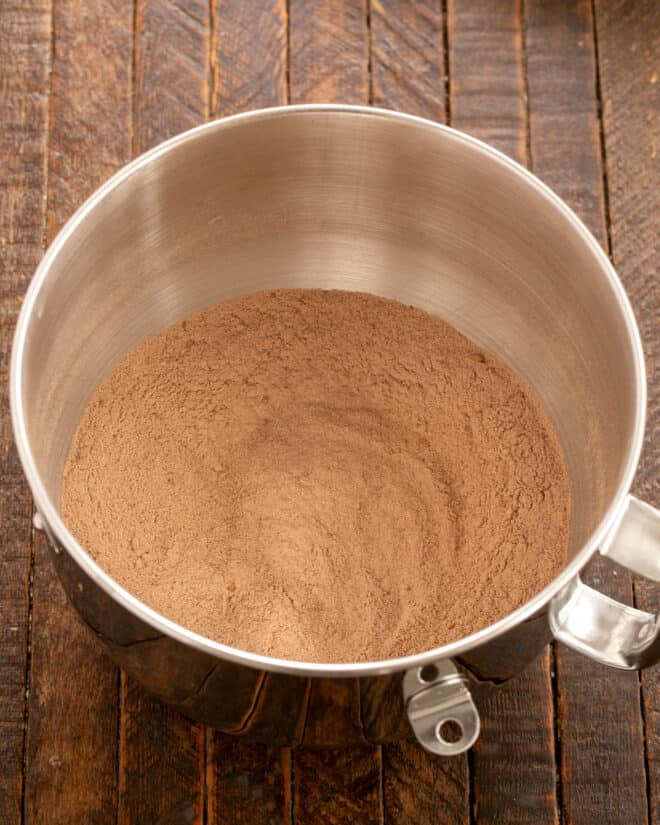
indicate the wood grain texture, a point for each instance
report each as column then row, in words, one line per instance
column 629, row 56
column 171, row 83
column 602, row 748
column 162, row 753
column 419, row 787
column 161, row 761
column 71, row 773
column 647, row 599
column 249, row 785
column 487, row 89
column 247, row 782
column 90, row 105
column 248, row 55
column 407, row 56
column 72, row 757
column 381, row 709
column 73, row 703
column 329, row 51
column 337, row 786
column 602, row 764
column 341, row 782
column 629, row 50
column 24, row 67
column 513, row 762
column 563, row 108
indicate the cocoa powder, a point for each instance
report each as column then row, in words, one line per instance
column 319, row 475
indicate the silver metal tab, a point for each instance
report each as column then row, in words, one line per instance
column 635, row 543
column 603, row 629
column 37, row 521
column 600, row 627
column 439, row 704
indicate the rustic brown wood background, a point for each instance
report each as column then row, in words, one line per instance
column 567, row 88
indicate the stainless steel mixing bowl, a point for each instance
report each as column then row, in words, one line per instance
column 362, row 199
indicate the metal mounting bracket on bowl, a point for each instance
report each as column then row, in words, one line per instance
column 592, row 623
column 438, row 703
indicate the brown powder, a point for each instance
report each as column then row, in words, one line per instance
column 325, row 476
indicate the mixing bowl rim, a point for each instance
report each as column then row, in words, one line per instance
column 56, row 526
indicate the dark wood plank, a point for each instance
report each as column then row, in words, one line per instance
column 90, row 111
column 514, row 770
column 71, row 767
column 487, row 88
column 171, row 84
column 646, row 597
column 602, row 747
column 24, row 66
column 161, row 761
column 242, row 777
column 407, row 56
column 381, row 709
column 248, row 55
column 602, row 765
column 420, row 788
column 629, row 52
column 162, row 753
column 337, row 786
column 340, row 782
column 628, row 47
column 73, row 703
column 249, row 784
column 563, row 107
column 513, row 762
column 329, row 52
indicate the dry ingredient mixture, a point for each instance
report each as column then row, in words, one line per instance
column 319, row 475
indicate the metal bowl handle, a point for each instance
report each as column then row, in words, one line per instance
column 600, row 627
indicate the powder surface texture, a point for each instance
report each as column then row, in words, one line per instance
column 319, row 475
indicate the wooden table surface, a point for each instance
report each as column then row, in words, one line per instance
column 567, row 88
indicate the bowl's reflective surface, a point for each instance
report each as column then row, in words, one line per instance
column 343, row 198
